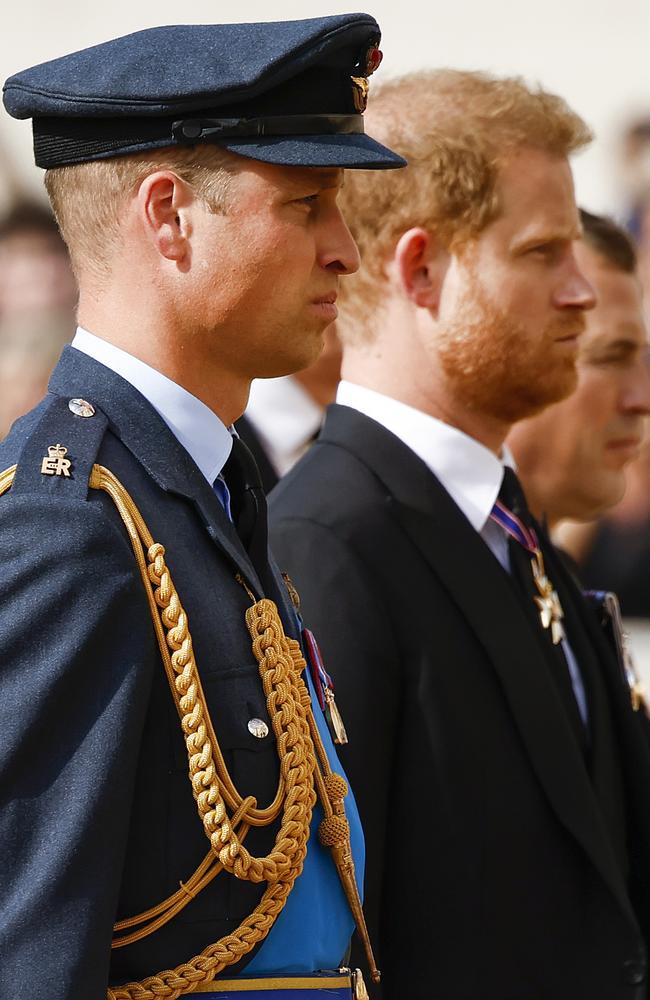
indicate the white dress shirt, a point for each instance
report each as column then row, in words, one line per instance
column 199, row 430
column 284, row 417
column 469, row 471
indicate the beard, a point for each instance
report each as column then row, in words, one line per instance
column 497, row 368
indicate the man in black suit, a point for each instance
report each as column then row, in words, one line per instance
column 504, row 780
column 194, row 171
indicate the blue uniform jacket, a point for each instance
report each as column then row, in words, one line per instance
column 97, row 817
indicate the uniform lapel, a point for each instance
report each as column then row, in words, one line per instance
column 483, row 592
column 145, row 434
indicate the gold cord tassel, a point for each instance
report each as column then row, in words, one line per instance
column 334, row 832
column 298, row 741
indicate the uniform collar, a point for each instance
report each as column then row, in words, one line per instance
column 193, row 424
column 469, row 471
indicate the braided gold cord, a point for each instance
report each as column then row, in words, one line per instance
column 7, row 478
column 139, row 534
column 288, row 711
column 302, row 759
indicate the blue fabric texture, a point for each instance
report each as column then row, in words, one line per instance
column 176, row 68
column 317, row 922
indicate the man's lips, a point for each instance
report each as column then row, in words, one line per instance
column 624, row 444
column 325, row 306
column 570, row 333
column 623, row 450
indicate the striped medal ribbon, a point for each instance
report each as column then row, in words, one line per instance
column 548, row 603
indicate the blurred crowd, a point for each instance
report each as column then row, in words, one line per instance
column 37, row 306
column 37, row 317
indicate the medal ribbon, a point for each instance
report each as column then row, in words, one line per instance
column 547, row 601
column 321, row 678
column 515, row 527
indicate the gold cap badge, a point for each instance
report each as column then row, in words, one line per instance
column 55, row 463
column 360, row 86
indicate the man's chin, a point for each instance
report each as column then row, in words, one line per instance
column 542, row 394
column 607, row 491
column 307, row 353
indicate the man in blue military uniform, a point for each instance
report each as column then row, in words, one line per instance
column 194, row 172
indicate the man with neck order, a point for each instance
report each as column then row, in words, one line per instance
column 194, row 171
column 571, row 458
column 504, row 780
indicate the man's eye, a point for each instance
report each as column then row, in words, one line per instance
column 604, row 360
column 309, row 199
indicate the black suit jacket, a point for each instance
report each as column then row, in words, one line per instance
column 491, row 872
column 97, row 817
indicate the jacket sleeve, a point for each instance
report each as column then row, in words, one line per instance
column 76, row 654
column 341, row 603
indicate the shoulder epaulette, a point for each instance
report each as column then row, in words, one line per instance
column 60, row 450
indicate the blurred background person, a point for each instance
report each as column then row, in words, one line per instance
column 10, row 185
column 38, row 295
column 284, row 415
column 571, row 457
column 614, row 553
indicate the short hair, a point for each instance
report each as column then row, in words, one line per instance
column 87, row 198
column 609, row 240
column 454, row 128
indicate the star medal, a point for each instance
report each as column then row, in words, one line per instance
column 324, row 689
column 548, row 602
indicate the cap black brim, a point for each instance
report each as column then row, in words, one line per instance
column 352, row 151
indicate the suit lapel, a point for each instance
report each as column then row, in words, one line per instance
column 137, row 425
column 483, row 592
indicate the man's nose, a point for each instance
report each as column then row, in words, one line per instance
column 635, row 393
column 340, row 253
column 575, row 291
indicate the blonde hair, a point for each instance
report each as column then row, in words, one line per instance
column 454, row 128
column 88, row 198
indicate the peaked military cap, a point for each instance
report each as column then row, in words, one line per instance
column 285, row 92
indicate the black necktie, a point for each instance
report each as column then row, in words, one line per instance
column 512, row 496
column 248, row 504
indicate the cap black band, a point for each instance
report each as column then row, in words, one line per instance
column 195, row 129
column 60, row 142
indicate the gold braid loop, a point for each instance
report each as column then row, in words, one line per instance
column 290, row 718
column 303, row 764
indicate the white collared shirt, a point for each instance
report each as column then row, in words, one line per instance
column 285, row 418
column 199, row 430
column 469, row 471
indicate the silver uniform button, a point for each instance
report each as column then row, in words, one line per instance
column 259, row 728
column 81, row 408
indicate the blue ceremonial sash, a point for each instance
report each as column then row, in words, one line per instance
column 314, row 929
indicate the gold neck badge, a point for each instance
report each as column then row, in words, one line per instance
column 548, row 603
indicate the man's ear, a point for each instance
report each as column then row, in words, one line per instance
column 162, row 202
column 421, row 263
